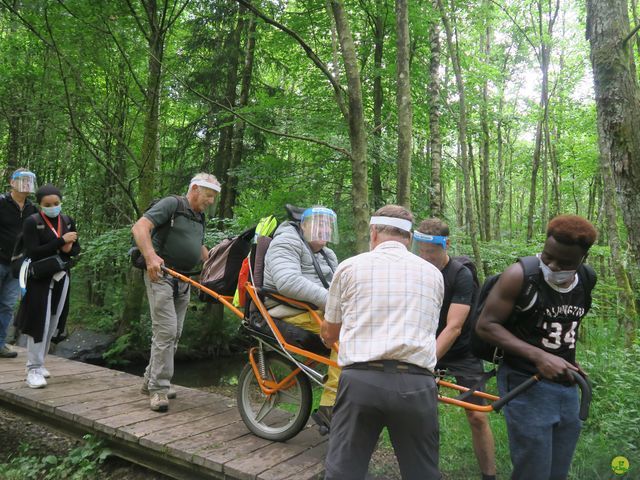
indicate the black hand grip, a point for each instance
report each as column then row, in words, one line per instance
column 585, row 397
column 526, row 385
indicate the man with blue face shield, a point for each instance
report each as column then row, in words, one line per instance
column 540, row 337
column 14, row 208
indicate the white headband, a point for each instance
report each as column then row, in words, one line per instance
column 400, row 223
column 204, row 183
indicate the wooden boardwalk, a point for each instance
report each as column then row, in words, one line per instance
column 201, row 436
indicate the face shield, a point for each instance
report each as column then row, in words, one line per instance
column 425, row 245
column 24, row 181
column 320, row 224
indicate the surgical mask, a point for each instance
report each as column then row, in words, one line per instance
column 52, row 212
column 556, row 278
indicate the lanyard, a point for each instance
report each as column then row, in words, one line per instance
column 57, row 233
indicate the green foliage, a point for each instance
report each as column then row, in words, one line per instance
column 81, row 463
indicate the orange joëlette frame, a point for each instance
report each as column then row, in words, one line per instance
column 269, row 387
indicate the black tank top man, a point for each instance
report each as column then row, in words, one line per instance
column 550, row 322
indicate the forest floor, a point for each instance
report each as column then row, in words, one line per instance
column 15, row 431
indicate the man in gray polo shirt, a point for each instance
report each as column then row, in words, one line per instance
column 383, row 306
column 171, row 233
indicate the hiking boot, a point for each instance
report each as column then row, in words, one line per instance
column 145, row 390
column 35, row 379
column 159, row 402
column 6, row 352
column 322, row 417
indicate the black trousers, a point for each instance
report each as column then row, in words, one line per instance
column 369, row 400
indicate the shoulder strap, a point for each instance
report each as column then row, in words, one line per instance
column 531, row 274
column 588, row 277
column 316, row 265
column 183, row 209
column 452, row 272
column 326, row 258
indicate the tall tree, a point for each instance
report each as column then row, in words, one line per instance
column 357, row 132
column 159, row 19
column 618, row 106
column 435, row 140
column 462, row 132
column 240, row 125
column 403, row 101
column 545, row 21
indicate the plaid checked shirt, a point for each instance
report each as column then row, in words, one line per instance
column 388, row 301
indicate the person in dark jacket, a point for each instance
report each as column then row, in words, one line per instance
column 44, row 307
column 14, row 208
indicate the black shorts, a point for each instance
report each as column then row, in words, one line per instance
column 468, row 371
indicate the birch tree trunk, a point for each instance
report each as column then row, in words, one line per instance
column 435, row 140
column 403, row 100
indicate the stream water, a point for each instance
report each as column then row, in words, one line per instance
column 201, row 373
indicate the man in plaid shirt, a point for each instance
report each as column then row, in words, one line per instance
column 383, row 306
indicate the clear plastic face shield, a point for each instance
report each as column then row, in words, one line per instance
column 24, row 181
column 320, row 224
column 428, row 247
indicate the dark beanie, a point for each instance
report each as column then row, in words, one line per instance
column 47, row 189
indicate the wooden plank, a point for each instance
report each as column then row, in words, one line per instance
column 188, row 447
column 216, row 455
column 307, row 465
column 159, row 439
column 79, row 405
column 141, row 429
column 109, row 425
column 249, row 466
column 316, row 472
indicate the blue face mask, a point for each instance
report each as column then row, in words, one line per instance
column 52, row 212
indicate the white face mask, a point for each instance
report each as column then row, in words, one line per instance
column 556, row 278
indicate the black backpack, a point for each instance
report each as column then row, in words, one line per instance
column 457, row 263
column 531, row 267
column 18, row 256
column 182, row 208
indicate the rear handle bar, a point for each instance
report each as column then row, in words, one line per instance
column 585, row 397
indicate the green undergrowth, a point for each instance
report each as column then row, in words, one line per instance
column 81, row 463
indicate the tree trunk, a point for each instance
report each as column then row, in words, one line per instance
column 462, row 135
column 544, row 59
column 357, row 132
column 500, row 184
column 239, row 127
column 225, row 147
column 378, row 100
column 618, row 107
column 485, row 176
column 627, row 320
column 149, row 155
column 403, row 100
column 435, row 140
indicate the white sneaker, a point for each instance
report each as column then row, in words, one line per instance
column 43, row 371
column 35, row 379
